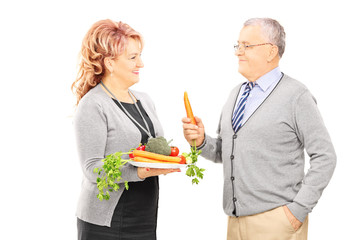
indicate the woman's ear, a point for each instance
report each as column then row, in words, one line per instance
column 108, row 64
column 274, row 52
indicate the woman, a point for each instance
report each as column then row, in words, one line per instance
column 111, row 118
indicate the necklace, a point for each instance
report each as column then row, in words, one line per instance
column 147, row 130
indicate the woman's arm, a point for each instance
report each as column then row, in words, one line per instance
column 91, row 136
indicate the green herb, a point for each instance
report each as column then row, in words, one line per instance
column 110, row 174
column 193, row 171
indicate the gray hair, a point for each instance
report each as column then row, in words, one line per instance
column 272, row 30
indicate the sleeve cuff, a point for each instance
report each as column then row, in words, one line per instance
column 129, row 173
column 203, row 144
column 298, row 211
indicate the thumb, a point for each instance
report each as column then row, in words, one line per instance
column 199, row 122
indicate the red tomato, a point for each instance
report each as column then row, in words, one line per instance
column 141, row 148
column 183, row 159
column 174, row 151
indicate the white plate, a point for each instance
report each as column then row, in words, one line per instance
column 157, row 165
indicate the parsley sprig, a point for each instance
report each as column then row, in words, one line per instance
column 110, row 174
column 193, row 171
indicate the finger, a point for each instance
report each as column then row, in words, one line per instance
column 190, row 138
column 170, row 170
column 145, row 169
column 193, row 136
column 167, row 171
column 175, row 170
column 189, row 132
column 199, row 121
column 190, row 126
column 159, row 171
column 186, row 120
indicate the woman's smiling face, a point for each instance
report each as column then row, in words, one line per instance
column 127, row 65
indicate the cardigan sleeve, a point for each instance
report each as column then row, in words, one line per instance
column 90, row 125
column 315, row 138
column 211, row 147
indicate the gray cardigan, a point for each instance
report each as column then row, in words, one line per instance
column 101, row 128
column 264, row 161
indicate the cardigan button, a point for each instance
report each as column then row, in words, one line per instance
column 234, row 199
column 234, row 136
column 232, row 157
column 232, row 178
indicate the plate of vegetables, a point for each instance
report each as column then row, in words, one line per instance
column 157, row 154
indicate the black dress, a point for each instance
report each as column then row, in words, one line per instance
column 135, row 215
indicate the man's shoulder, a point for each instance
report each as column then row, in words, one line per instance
column 291, row 86
column 292, row 82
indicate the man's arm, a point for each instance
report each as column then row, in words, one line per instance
column 210, row 147
column 314, row 136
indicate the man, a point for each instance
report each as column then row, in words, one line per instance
column 265, row 125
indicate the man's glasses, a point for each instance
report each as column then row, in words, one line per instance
column 243, row 46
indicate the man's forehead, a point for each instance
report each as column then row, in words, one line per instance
column 250, row 33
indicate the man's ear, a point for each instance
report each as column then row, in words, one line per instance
column 274, row 52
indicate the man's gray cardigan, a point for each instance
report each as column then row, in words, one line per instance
column 264, row 161
column 101, row 128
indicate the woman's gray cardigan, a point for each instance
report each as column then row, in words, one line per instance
column 101, row 128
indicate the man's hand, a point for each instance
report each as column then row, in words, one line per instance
column 194, row 132
column 292, row 219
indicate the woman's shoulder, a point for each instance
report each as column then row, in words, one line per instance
column 142, row 96
column 91, row 108
column 94, row 95
column 93, row 100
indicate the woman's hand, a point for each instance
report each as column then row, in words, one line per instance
column 194, row 132
column 150, row 172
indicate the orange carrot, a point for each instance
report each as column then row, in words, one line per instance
column 148, row 160
column 155, row 156
column 189, row 111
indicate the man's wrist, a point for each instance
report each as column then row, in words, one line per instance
column 202, row 144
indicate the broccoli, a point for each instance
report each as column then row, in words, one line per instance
column 158, row 145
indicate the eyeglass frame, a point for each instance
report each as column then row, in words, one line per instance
column 237, row 46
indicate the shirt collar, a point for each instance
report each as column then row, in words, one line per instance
column 265, row 81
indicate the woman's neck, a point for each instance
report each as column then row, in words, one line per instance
column 120, row 91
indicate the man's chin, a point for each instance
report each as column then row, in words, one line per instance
column 242, row 72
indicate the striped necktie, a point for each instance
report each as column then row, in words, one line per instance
column 240, row 108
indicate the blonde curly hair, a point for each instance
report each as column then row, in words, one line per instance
column 105, row 39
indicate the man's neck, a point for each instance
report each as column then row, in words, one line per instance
column 256, row 77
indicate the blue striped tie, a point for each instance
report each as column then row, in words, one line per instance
column 240, row 108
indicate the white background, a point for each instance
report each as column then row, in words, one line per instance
column 188, row 46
